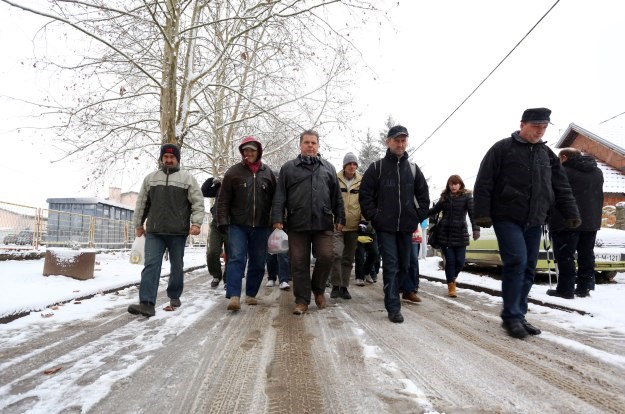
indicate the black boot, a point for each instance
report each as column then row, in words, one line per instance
column 344, row 293
column 515, row 328
column 557, row 293
column 531, row 329
column 143, row 308
column 335, row 292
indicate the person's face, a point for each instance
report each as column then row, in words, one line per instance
column 454, row 188
column 532, row 133
column 397, row 145
column 169, row 160
column 349, row 170
column 250, row 155
column 309, row 145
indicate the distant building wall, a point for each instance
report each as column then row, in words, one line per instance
column 599, row 151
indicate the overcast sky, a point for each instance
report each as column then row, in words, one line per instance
column 423, row 63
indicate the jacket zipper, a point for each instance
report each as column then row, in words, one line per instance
column 399, row 192
column 254, row 201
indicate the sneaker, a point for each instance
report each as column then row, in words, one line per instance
column 344, row 293
column 234, row 304
column 360, row 282
column 395, row 317
column 270, row 283
column 251, row 301
column 285, row 286
column 411, row 296
column 335, row 292
column 515, row 328
column 531, row 329
column 174, row 303
column 300, row 309
column 369, row 279
column 215, row 282
column 320, row 300
column 142, row 308
column 554, row 292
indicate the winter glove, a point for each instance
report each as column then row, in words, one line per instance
column 573, row 223
column 484, row 221
column 476, row 234
column 362, row 227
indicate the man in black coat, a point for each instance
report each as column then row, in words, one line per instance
column 217, row 241
column 519, row 180
column 586, row 180
column 394, row 196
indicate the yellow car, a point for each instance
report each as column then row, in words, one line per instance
column 609, row 253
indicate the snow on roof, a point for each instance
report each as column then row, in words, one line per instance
column 613, row 179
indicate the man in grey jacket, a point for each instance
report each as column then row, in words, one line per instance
column 170, row 200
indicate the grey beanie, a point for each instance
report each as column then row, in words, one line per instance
column 349, row 157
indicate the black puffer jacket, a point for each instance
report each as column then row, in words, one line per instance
column 308, row 194
column 586, row 181
column 387, row 195
column 520, row 182
column 453, row 221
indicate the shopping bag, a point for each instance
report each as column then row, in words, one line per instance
column 137, row 251
column 278, row 242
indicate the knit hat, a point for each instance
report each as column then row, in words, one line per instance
column 170, row 149
column 349, row 157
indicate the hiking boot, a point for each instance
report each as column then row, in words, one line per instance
column 556, row 293
column 270, row 283
column 174, row 303
column 395, row 317
column 344, row 293
column 360, row 282
column 215, row 282
column 285, row 286
column 531, row 329
column 142, row 308
column 234, row 304
column 583, row 293
column 320, row 300
column 335, row 292
column 300, row 309
column 251, row 301
column 515, row 328
column 451, row 290
column 411, row 296
column 369, row 279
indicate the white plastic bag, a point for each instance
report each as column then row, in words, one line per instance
column 278, row 242
column 137, row 252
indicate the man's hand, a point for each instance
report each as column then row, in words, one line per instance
column 476, row 234
column 139, row 231
column 194, row 230
column 484, row 221
column 338, row 227
column 573, row 223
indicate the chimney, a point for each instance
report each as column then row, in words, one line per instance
column 115, row 194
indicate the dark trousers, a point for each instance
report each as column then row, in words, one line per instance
column 367, row 257
column 300, row 245
column 454, row 261
column 414, row 269
column 216, row 240
column 565, row 245
column 396, row 249
column 345, row 250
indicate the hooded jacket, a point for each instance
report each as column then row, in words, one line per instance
column 586, row 180
column 391, row 197
column 245, row 197
column 520, row 182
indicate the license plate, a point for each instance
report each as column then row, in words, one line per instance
column 608, row 257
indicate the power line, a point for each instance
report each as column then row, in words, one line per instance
column 609, row 119
column 486, row 78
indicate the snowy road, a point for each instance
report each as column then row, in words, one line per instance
column 448, row 356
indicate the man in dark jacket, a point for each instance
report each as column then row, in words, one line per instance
column 395, row 199
column 243, row 211
column 519, row 180
column 309, row 195
column 586, row 180
column 216, row 240
column 171, row 201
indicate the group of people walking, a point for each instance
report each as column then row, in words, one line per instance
column 337, row 216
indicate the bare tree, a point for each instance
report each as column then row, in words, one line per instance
column 198, row 73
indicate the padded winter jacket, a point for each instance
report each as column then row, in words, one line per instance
column 453, row 221
column 520, row 182
column 391, row 197
column 308, row 194
column 350, row 201
column 169, row 198
column 586, row 180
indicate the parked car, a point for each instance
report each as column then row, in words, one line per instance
column 10, row 238
column 25, row 237
column 609, row 253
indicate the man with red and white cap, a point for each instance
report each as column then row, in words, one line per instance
column 243, row 211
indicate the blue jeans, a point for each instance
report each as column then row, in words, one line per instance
column 155, row 245
column 246, row 245
column 412, row 282
column 454, row 261
column 518, row 247
column 565, row 245
column 395, row 248
column 278, row 267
